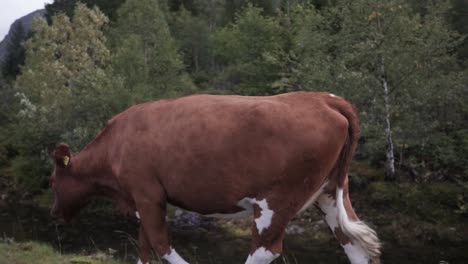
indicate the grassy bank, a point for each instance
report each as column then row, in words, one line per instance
column 39, row 253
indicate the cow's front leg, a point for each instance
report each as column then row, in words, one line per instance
column 144, row 247
column 151, row 207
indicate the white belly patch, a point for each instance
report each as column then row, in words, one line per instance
column 262, row 222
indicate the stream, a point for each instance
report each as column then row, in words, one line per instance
column 207, row 241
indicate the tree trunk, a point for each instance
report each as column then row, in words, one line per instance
column 390, row 164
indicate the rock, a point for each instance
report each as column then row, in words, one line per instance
column 319, row 225
column 294, row 230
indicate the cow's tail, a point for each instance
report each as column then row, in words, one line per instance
column 356, row 230
column 349, row 148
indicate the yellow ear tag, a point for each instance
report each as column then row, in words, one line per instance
column 66, row 160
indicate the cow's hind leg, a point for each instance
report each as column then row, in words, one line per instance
column 151, row 207
column 268, row 231
column 359, row 241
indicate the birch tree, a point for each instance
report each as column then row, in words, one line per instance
column 389, row 61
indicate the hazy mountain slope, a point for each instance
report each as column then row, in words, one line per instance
column 26, row 22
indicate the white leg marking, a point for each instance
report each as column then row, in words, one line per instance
column 343, row 218
column 137, row 215
column 365, row 244
column 355, row 253
column 313, row 198
column 174, row 258
column 139, row 262
column 261, row 256
column 327, row 205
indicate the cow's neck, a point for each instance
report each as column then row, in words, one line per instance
column 93, row 167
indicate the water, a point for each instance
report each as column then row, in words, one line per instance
column 209, row 242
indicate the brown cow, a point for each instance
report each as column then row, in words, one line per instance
column 223, row 155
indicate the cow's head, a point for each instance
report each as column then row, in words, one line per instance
column 70, row 190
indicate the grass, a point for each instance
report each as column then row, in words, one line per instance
column 33, row 252
column 40, row 253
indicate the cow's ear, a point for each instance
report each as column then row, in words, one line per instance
column 62, row 155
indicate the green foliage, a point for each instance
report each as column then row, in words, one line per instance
column 305, row 62
column 459, row 21
column 456, row 16
column 233, row 7
column 420, row 69
column 244, row 49
column 435, row 202
column 74, row 79
column 66, row 90
column 193, row 36
column 145, row 54
column 109, row 8
column 7, row 105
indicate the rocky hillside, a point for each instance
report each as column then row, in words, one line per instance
column 26, row 22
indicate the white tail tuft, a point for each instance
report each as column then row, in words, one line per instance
column 358, row 231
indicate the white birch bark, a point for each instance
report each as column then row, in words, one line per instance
column 390, row 163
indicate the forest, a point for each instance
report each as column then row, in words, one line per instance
column 403, row 64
